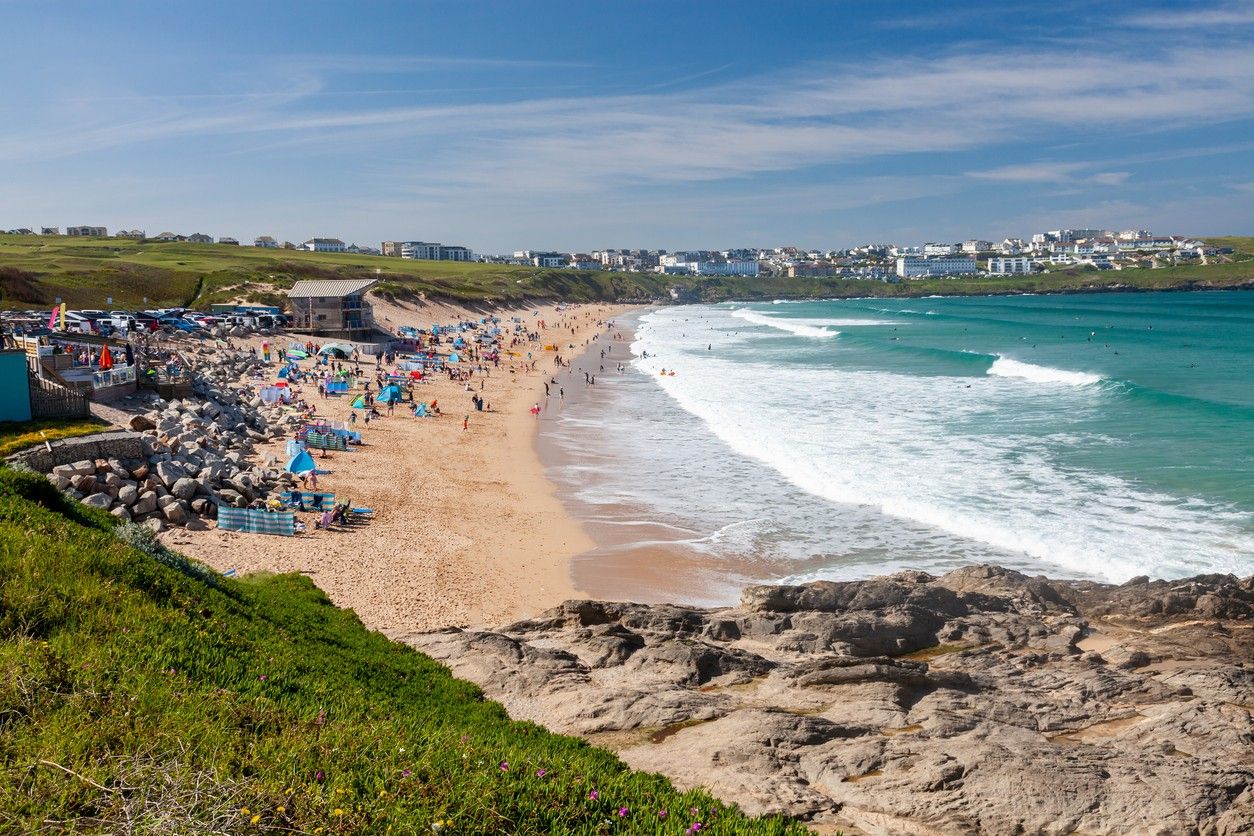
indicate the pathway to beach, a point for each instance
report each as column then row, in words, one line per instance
column 467, row 529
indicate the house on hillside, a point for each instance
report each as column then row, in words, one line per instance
column 50, row 230
column 87, row 231
column 266, row 241
column 199, row 238
column 137, row 234
column 169, row 236
column 227, row 240
column 332, row 308
column 22, row 231
column 324, row 245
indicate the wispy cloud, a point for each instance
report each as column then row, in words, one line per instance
column 1223, row 15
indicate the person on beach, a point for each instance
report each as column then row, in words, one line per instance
column 465, row 423
column 535, row 410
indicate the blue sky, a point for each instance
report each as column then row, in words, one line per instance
column 582, row 125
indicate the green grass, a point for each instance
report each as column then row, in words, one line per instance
column 84, row 272
column 142, row 692
column 18, row 435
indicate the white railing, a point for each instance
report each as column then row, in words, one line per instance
column 113, row 377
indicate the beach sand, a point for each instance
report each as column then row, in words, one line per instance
column 466, row 531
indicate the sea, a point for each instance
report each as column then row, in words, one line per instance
column 1088, row 436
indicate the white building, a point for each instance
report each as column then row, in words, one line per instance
column 974, row 246
column 324, row 245
column 430, row 251
column 918, row 268
column 931, row 250
column 733, row 267
column 1004, row 266
column 137, row 234
column 93, row 231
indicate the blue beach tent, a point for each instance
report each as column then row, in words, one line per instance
column 302, row 462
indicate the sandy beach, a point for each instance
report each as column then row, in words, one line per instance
column 467, row 530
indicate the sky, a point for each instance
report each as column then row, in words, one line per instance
column 582, row 125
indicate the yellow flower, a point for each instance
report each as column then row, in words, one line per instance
column 339, row 811
column 255, row 819
column 280, row 809
column 383, row 793
column 244, row 811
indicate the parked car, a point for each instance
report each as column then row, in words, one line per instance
column 177, row 323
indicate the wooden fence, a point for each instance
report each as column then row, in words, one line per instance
column 52, row 400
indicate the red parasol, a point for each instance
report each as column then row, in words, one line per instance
column 106, row 359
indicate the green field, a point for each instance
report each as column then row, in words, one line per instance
column 141, row 692
column 85, row 272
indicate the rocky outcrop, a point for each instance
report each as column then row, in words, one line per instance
column 982, row 701
column 183, row 458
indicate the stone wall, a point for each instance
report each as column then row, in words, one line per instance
column 112, row 444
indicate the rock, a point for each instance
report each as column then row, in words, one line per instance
column 803, row 700
column 155, row 524
column 146, row 503
column 128, row 495
column 169, row 473
column 58, row 481
column 184, row 488
column 121, row 513
column 81, row 468
column 175, row 513
column 98, row 500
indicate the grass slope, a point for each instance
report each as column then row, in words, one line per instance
column 141, row 692
column 16, row 436
column 84, row 272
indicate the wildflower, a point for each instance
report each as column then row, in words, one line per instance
column 593, row 795
column 540, row 773
column 244, row 811
column 280, row 809
column 693, row 811
column 255, row 819
column 695, row 827
column 405, row 773
column 383, row 793
column 320, row 776
column 505, row 766
column 263, row 677
column 339, row 811
column 661, row 814
column 622, row 812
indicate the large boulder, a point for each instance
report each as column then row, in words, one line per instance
column 184, row 488
column 98, row 500
column 146, row 503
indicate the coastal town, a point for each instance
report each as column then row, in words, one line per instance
column 1099, row 249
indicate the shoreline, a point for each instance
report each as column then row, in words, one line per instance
column 467, row 529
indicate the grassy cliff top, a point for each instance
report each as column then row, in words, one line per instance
column 84, row 272
column 141, row 692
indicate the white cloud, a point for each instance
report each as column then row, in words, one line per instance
column 1225, row 15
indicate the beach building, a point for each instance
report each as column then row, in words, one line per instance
column 920, row 268
column 1009, row 266
column 333, row 308
column 87, row 231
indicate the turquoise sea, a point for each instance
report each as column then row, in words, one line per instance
column 1101, row 436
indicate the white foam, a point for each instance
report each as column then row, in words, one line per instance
column 789, row 325
column 1006, row 367
column 903, row 445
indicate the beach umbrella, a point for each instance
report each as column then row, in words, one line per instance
column 302, row 462
column 106, row 359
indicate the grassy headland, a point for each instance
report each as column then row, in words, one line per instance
column 141, row 692
column 84, row 272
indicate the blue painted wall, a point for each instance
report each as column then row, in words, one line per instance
column 14, row 387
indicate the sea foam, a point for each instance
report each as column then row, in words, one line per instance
column 1006, row 367
column 791, row 326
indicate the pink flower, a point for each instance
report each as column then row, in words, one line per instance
column 263, row 677
column 622, row 812
column 593, row 795
column 406, row 773
column 540, row 773
column 320, row 776
column 661, row 814
column 505, row 766
column 695, row 827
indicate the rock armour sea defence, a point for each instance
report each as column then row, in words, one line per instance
column 982, row 701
